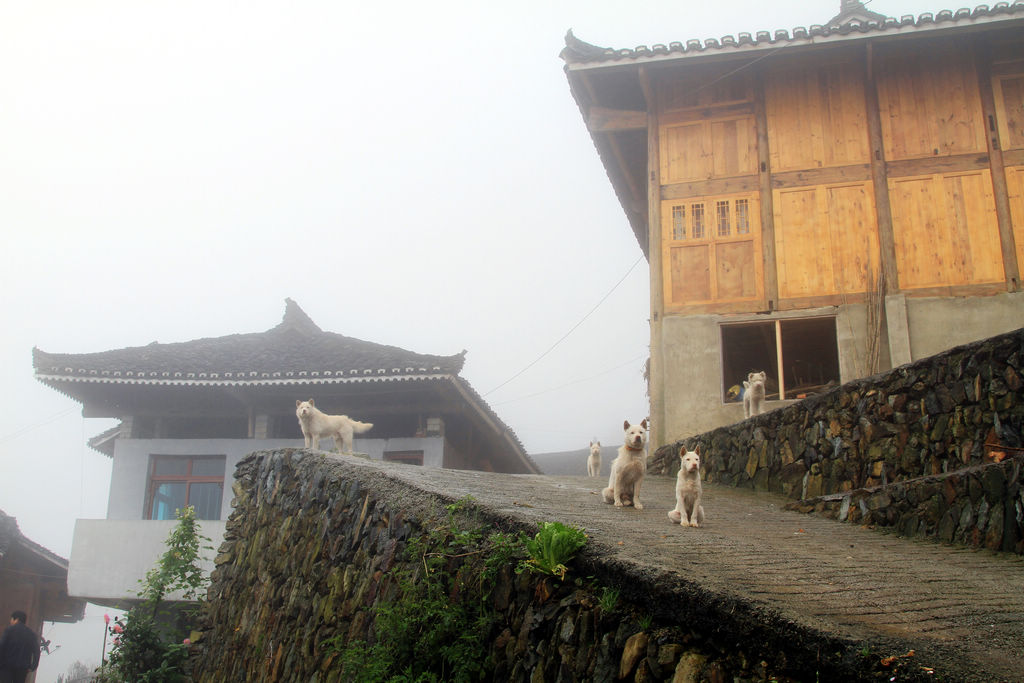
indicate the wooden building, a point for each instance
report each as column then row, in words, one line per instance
column 33, row 580
column 820, row 204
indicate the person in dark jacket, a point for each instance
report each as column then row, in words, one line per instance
column 19, row 650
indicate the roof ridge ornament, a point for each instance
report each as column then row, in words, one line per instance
column 851, row 11
column 296, row 319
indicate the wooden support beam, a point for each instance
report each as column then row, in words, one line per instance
column 656, row 380
column 982, row 63
column 879, row 179
column 603, row 119
column 764, row 178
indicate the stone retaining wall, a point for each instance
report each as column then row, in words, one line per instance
column 313, row 549
column 981, row 506
column 923, row 419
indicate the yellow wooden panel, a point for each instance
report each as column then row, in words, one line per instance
column 977, row 227
column 802, row 251
column 920, row 233
column 686, row 152
column 853, row 234
column 945, row 230
column 690, row 273
column 929, row 105
column 816, row 117
column 734, row 147
column 706, row 87
column 736, row 270
column 1009, row 93
column 1015, row 183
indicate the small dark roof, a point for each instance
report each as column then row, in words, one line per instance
column 47, row 565
column 296, row 349
column 10, row 535
column 853, row 21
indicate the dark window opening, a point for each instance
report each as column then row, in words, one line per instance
column 406, row 457
column 809, row 358
column 176, row 482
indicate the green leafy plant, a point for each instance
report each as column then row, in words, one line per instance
column 553, row 546
column 147, row 647
column 609, row 599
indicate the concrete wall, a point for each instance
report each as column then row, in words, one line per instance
column 110, row 557
column 917, row 328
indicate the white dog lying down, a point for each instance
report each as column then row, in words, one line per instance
column 317, row 425
column 629, row 468
column 594, row 459
column 689, row 511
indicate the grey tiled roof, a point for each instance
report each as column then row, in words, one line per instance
column 578, row 52
column 296, row 350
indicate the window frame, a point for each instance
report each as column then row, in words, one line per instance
column 153, row 480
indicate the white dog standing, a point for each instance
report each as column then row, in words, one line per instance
column 629, row 468
column 753, row 394
column 316, row 425
column 689, row 511
column 594, row 459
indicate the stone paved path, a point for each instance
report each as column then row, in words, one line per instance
column 961, row 610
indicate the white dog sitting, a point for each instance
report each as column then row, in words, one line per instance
column 689, row 511
column 316, row 425
column 629, row 468
column 753, row 394
column 594, row 459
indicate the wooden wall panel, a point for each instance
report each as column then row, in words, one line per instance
column 1009, row 94
column 685, row 153
column 701, row 150
column 946, row 230
column 816, row 117
column 690, row 273
column 929, row 105
column 736, row 270
column 826, row 240
column 1015, row 184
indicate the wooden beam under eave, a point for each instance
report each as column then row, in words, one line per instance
column 603, row 119
column 880, row 179
column 764, row 177
column 1011, row 269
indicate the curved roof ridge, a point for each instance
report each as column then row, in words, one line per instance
column 858, row 21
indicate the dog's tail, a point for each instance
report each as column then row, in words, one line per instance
column 360, row 427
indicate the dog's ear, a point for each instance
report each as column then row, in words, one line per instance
column 311, row 402
column 746, row 384
column 298, row 403
column 625, row 424
column 682, row 451
column 644, row 423
column 696, row 449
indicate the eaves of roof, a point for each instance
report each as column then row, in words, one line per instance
column 10, row 535
column 580, row 56
column 294, row 352
column 497, row 423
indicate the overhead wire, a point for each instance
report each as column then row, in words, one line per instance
column 571, row 330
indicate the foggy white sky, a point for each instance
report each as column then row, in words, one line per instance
column 414, row 174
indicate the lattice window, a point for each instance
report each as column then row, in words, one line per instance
column 722, row 217
column 679, row 222
column 742, row 208
column 697, row 221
